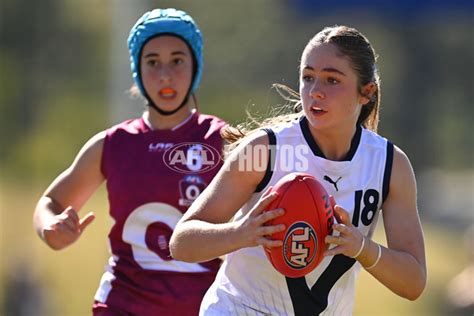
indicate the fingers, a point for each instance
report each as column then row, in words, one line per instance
column 339, row 243
column 342, row 216
column 268, row 216
column 269, row 243
column 333, row 251
column 332, row 240
column 267, row 191
column 263, row 203
column 86, row 220
column 341, row 228
column 337, row 216
column 347, row 240
column 65, row 228
column 68, row 220
column 268, row 230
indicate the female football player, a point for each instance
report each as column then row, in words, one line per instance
column 154, row 167
column 338, row 102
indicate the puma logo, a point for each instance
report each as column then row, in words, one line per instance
column 326, row 178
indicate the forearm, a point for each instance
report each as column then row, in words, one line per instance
column 397, row 270
column 199, row 241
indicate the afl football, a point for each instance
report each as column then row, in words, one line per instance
column 308, row 220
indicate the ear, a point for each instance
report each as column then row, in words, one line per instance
column 367, row 93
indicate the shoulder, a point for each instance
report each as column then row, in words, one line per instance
column 401, row 163
column 210, row 120
column 95, row 143
column 210, row 124
column 246, row 163
column 290, row 128
column 91, row 152
column 130, row 126
column 249, row 146
column 402, row 181
column 284, row 132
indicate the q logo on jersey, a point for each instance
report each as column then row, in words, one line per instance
column 300, row 245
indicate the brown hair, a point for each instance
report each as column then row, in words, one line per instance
column 352, row 44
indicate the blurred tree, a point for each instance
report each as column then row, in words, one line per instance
column 50, row 62
column 55, row 59
column 23, row 52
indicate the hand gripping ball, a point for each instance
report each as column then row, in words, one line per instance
column 308, row 219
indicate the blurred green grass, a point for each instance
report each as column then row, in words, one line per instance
column 69, row 278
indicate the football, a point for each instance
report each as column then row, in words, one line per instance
column 308, row 220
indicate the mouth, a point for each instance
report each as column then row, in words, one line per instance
column 317, row 110
column 167, row 93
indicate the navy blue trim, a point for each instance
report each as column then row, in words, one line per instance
column 271, row 159
column 315, row 300
column 388, row 171
column 315, row 148
column 309, row 137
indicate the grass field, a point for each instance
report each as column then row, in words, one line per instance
column 67, row 280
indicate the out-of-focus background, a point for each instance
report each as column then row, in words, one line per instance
column 64, row 73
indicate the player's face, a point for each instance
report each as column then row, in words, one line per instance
column 329, row 88
column 166, row 68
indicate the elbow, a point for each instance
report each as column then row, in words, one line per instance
column 414, row 294
column 414, row 291
column 177, row 252
column 417, row 291
column 174, row 251
column 56, row 247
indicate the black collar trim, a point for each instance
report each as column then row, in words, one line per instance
column 315, row 148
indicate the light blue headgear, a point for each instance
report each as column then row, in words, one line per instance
column 161, row 22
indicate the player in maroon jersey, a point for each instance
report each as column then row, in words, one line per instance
column 154, row 167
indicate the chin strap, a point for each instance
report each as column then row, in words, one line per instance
column 163, row 112
column 167, row 113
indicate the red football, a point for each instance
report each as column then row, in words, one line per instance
column 308, row 220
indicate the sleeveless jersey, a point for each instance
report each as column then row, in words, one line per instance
column 247, row 284
column 152, row 178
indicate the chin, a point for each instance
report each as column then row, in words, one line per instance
column 316, row 124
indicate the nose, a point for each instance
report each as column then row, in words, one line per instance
column 165, row 74
column 316, row 91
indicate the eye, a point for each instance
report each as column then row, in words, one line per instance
column 152, row 62
column 307, row 78
column 332, row 80
column 178, row 61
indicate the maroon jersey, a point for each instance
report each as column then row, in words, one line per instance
column 152, row 178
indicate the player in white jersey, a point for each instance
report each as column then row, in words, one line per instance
column 332, row 137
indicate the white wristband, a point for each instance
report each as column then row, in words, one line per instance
column 379, row 255
column 360, row 249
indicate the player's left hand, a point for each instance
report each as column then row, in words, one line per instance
column 346, row 237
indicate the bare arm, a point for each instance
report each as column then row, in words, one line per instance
column 55, row 218
column 205, row 232
column 402, row 266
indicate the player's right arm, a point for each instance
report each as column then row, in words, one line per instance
column 55, row 218
column 205, row 233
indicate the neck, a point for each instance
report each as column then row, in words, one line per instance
column 334, row 143
column 162, row 122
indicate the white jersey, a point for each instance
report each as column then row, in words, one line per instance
column 247, row 284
